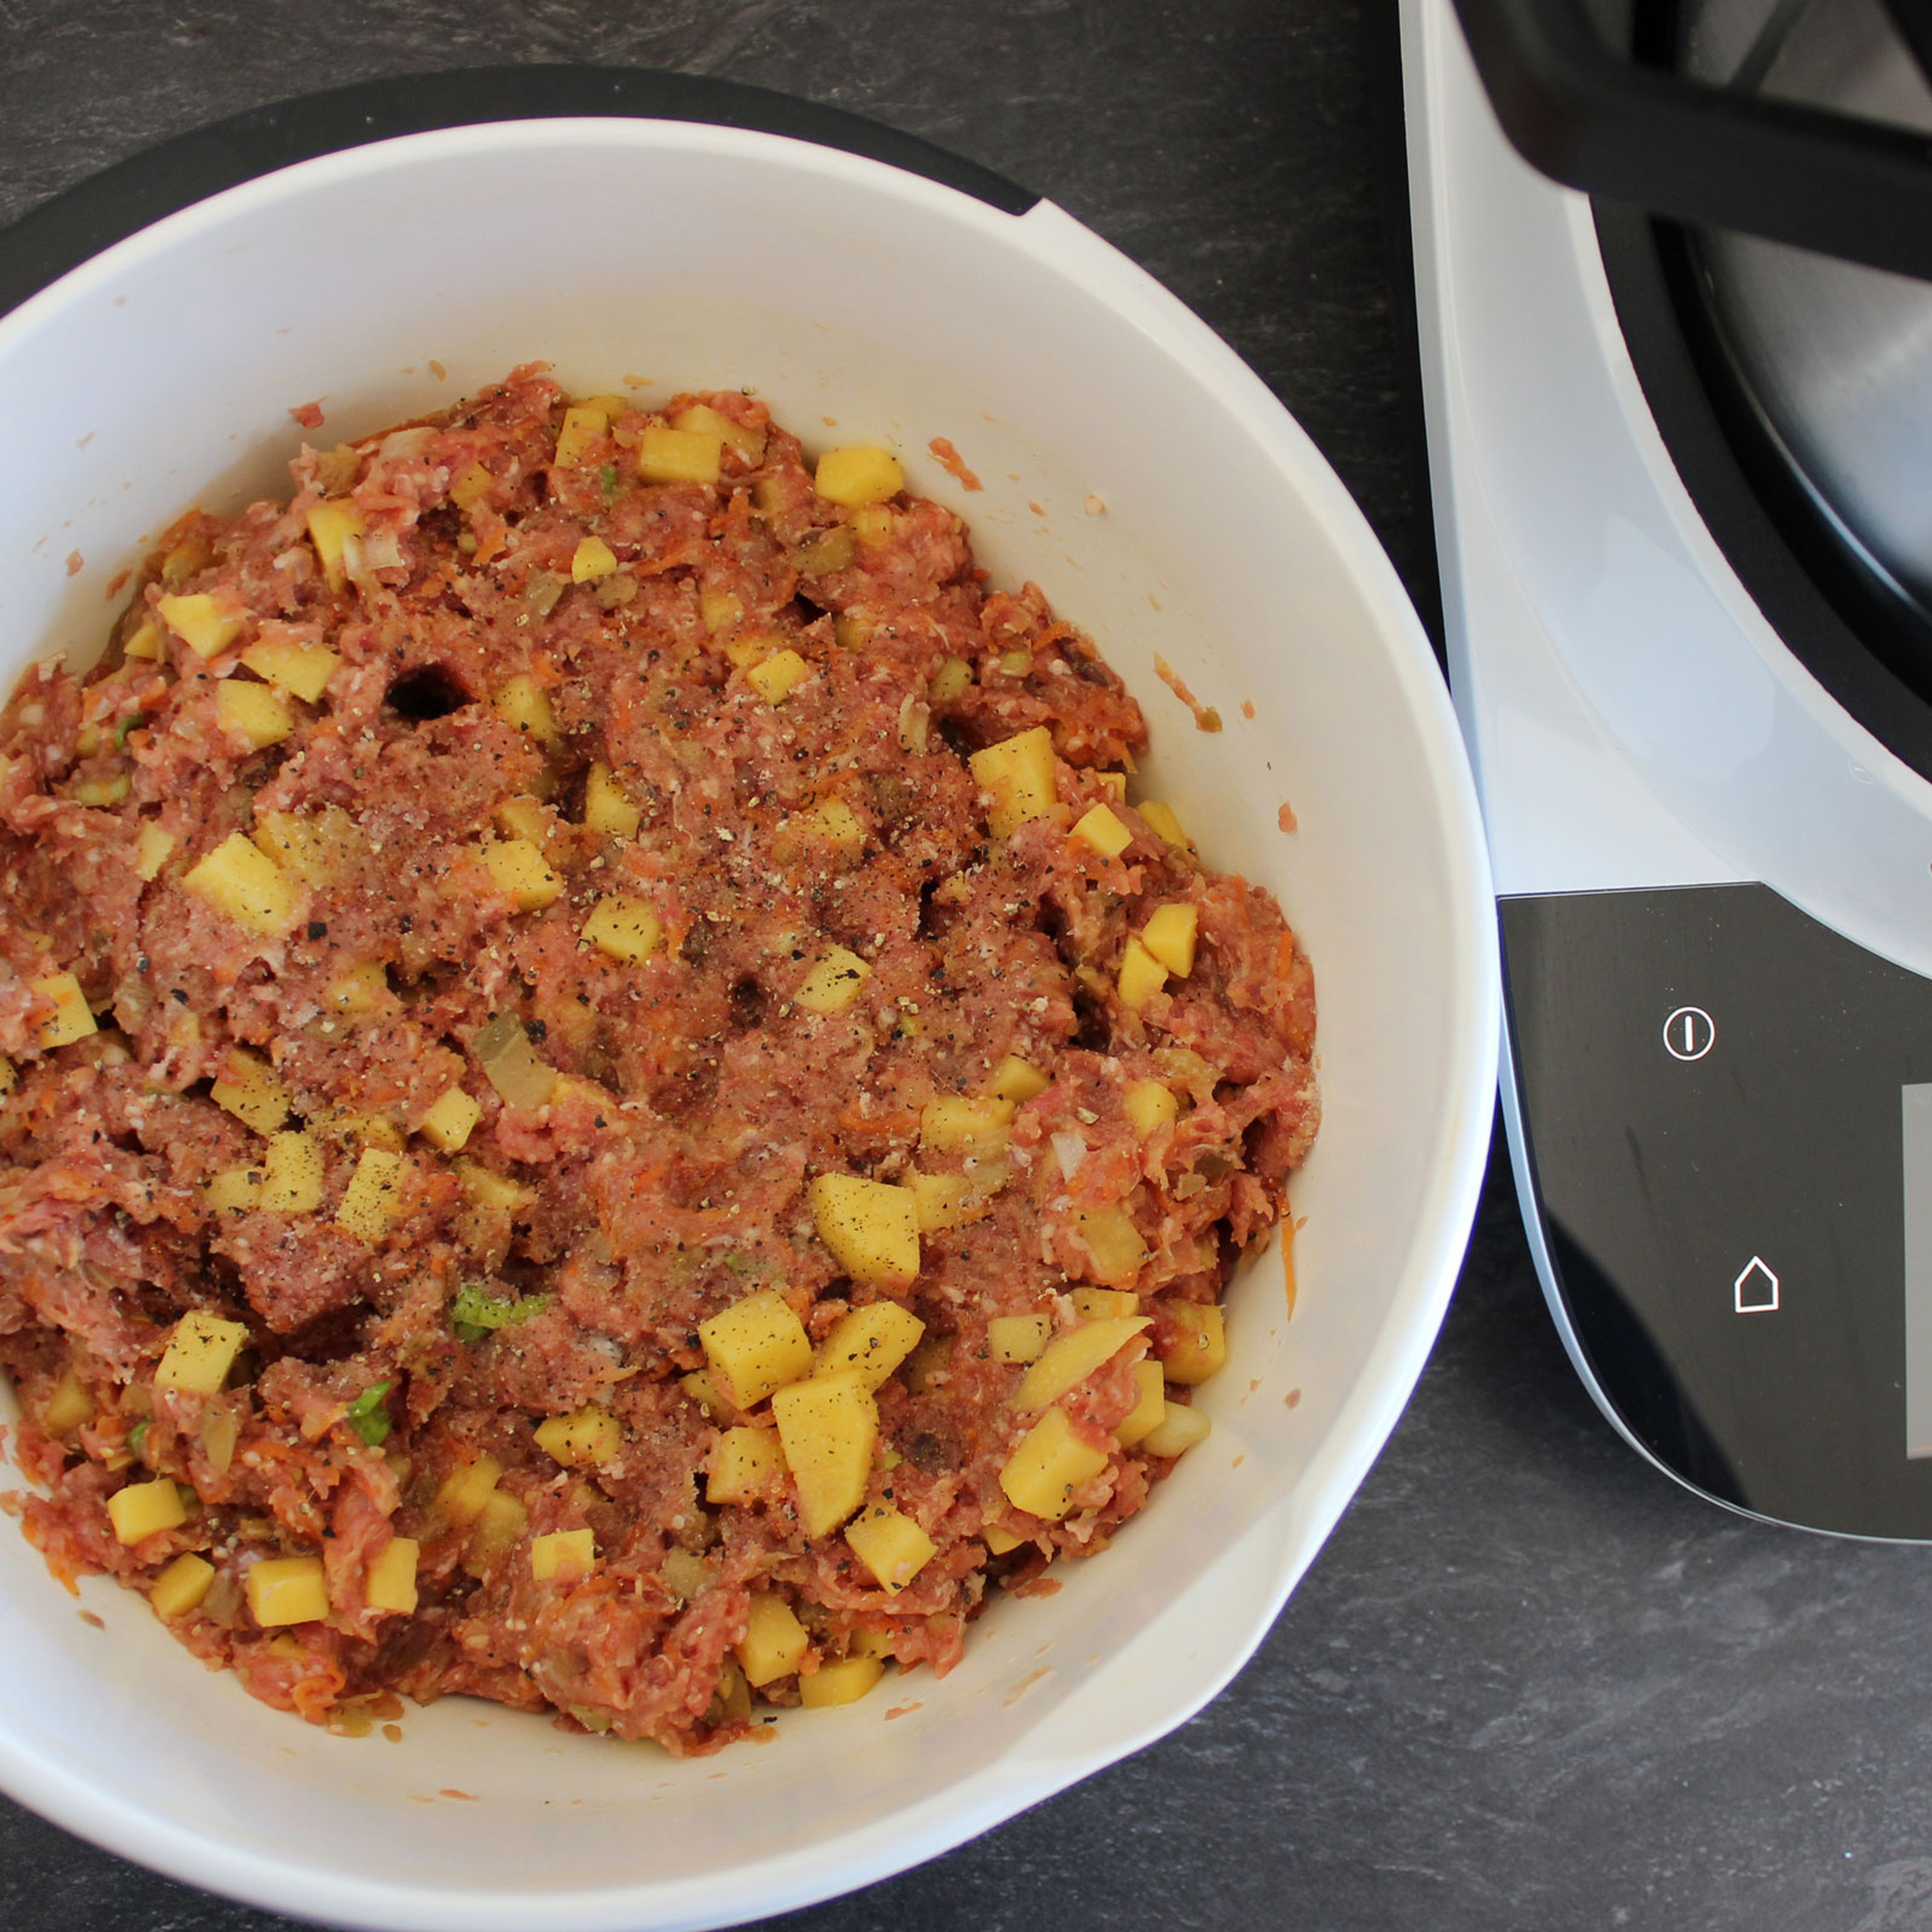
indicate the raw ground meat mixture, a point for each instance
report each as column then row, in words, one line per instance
column 618, row 875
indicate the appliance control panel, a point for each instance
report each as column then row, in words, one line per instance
column 1729, row 1108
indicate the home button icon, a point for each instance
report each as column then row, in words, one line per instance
column 1755, row 1290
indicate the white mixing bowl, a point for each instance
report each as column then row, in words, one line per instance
column 161, row 372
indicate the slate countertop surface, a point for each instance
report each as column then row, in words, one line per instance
column 1528, row 1682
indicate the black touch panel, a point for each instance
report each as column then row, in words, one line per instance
column 1716, row 1090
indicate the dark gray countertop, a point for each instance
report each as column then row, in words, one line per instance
column 1529, row 1682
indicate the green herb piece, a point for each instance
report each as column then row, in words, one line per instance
column 126, row 725
column 137, row 1435
column 607, row 478
column 474, row 1312
column 367, row 1417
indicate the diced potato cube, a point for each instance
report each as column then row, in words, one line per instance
column 1050, row 1463
column 563, row 1554
column 180, row 1587
column 391, row 1582
column 1014, row 1080
column 1018, row 773
column 207, row 628
column 999, row 1540
column 71, row 1019
column 1018, row 1338
column 954, row 1124
column 143, row 1509
column 519, row 871
column 952, row 679
column 151, row 850
column 701, row 419
column 469, row 486
column 871, row 1227
column 1150, row 1106
column 375, row 1195
column 891, row 1545
column 144, row 642
column 1180, row 1428
column 464, row 1491
column 333, row 526
column 746, row 1466
column 873, row 525
column 624, row 928
column 583, row 1439
column 607, row 808
column 235, row 1190
column 827, row 1428
column 1144, row 1417
column 775, row 1641
column 362, row 989
column 1115, row 784
column 1201, row 1348
column 719, row 609
column 302, row 670
column 703, row 1391
column 779, row 676
column 1071, row 1360
column 943, row 1201
column 845, row 1682
column 498, row 1529
column 494, row 1193
column 870, row 1343
column 1141, row 975
column 1102, row 831
column 1102, row 1304
column 861, row 474
column 524, row 818
column 592, row 559
column 583, row 425
column 836, row 820
column 1164, row 821
column 69, row 1406
column 667, row 455
column 249, row 1088
column 447, row 1125
column 1112, row 1242
column 756, row 1345
column 317, row 848
column 1169, row 936
column 240, row 881
column 201, row 1351
column 833, row 981
column 524, row 705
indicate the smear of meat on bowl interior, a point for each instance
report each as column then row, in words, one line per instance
column 611, row 1108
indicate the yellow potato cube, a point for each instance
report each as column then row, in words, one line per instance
column 469, row 486
column 583, row 1439
column 701, row 419
column 524, row 818
column 891, row 1545
column 827, row 1427
column 1180, row 1428
column 375, row 1195
column 207, row 628
column 953, row 1124
column 1071, row 1360
column 302, row 670
column 180, row 1587
column 871, row 1227
column 583, row 425
column 336, row 529
column 862, row 474
column 624, row 928
column 1169, row 936
column 845, row 1682
column 870, row 1343
column 1141, row 975
column 464, row 1491
column 746, row 1466
column 391, row 1582
column 493, row 1193
column 151, row 850
column 1202, row 1348
column 1018, row 773
column 836, row 820
column 256, row 713
column 524, row 705
column 235, row 1190
column 952, row 679
column 317, row 848
column 775, row 1641
column 362, row 989
column 144, row 642
column 287, row 1590
column 1102, row 831
column 249, row 1088
column 943, row 1201
column 1018, row 1338
column 999, row 1541
column 756, row 1345
column 69, row 1406
column 447, row 1125
column 1050, row 1462
column 1165, row 821
column 1101, row 1304
column 498, row 1529
column 1115, row 785
column 564, row 1554
column 1014, row 1080
column 833, row 981
column 519, row 871
column 143, row 1509
column 1145, row 1417
column 241, row 881
column 607, row 808
column 703, row 1391
column 1150, row 1106
column 201, row 1350
column 667, row 455
column 779, row 676
column 719, row 609
column 72, row 1018
column 592, row 559
column 1112, row 1242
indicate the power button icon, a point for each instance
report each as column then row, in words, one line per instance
column 1689, row 1034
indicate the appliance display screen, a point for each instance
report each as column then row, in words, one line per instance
column 1916, row 1113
